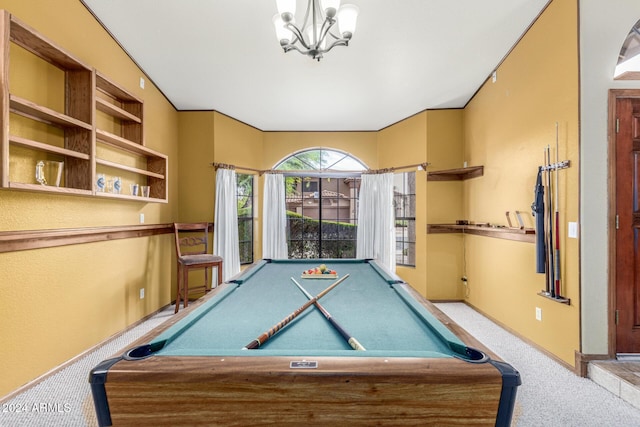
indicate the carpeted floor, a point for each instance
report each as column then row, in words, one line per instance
column 550, row 395
column 64, row 399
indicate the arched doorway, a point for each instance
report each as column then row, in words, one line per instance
column 624, row 242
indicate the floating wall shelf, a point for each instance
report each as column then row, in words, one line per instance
column 456, row 174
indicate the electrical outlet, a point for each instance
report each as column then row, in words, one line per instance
column 539, row 314
column 141, row 293
column 141, row 82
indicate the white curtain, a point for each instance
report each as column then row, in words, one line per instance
column 274, row 216
column 376, row 220
column 225, row 224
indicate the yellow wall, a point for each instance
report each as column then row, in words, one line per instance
column 405, row 143
column 59, row 302
column 444, row 205
column 278, row 145
column 207, row 137
column 196, row 186
column 507, row 126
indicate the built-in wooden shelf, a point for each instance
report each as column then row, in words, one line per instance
column 86, row 92
column 456, row 174
column 26, row 37
column 29, row 143
column 49, row 188
column 116, row 111
column 43, row 114
column 123, row 196
column 125, row 144
column 75, row 119
column 111, row 89
column 518, row 234
column 128, row 168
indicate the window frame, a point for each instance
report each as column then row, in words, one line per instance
column 246, row 219
column 408, row 232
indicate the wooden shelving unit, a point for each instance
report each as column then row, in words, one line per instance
column 76, row 121
column 518, row 234
column 127, row 110
column 87, row 93
column 456, row 174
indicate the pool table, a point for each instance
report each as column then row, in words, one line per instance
column 418, row 367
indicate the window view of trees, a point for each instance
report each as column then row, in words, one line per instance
column 245, row 217
column 322, row 189
column 322, row 205
column 322, row 217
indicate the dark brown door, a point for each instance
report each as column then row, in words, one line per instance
column 627, row 302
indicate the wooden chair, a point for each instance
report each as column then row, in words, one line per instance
column 192, row 247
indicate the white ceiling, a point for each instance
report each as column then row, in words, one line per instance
column 405, row 56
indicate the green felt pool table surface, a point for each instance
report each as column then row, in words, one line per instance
column 371, row 304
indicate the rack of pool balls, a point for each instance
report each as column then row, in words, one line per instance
column 320, row 272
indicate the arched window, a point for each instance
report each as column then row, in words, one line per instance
column 628, row 67
column 321, row 160
column 322, row 189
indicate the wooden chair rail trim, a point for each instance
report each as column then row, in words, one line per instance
column 520, row 235
column 13, row 241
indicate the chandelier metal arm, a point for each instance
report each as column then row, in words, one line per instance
column 298, row 34
column 324, row 30
column 339, row 42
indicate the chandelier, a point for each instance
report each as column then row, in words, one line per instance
column 315, row 37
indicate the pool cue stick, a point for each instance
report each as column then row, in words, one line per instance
column 545, row 237
column 353, row 342
column 557, row 220
column 284, row 322
column 550, row 234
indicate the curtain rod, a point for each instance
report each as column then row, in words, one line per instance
column 423, row 166
column 315, row 172
column 228, row 166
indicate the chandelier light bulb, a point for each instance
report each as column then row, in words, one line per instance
column 347, row 19
column 330, row 7
column 286, row 9
column 283, row 34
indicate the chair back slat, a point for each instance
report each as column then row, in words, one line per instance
column 191, row 238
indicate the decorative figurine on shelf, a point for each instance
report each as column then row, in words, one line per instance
column 117, row 185
column 40, row 173
column 100, row 183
